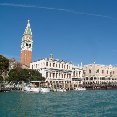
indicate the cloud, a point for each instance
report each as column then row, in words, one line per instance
column 57, row 9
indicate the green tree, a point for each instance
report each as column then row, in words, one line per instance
column 4, row 65
column 14, row 74
column 19, row 74
column 35, row 75
column 1, row 78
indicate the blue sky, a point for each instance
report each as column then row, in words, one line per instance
column 73, row 30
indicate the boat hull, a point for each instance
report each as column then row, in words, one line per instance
column 30, row 89
column 45, row 90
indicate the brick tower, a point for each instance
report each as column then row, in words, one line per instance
column 26, row 47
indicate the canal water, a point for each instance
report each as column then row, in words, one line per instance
column 92, row 103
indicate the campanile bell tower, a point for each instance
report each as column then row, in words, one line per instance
column 26, row 46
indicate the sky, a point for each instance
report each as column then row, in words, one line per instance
column 72, row 30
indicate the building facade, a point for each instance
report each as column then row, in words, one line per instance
column 99, row 74
column 26, row 47
column 58, row 71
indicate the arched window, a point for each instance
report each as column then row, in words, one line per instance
column 67, row 66
column 74, row 74
column 89, row 71
column 53, row 64
column 91, row 78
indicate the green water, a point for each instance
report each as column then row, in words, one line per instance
column 59, row 104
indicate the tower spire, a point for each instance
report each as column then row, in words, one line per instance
column 28, row 29
column 28, row 24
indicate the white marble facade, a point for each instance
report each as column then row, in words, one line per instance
column 58, row 70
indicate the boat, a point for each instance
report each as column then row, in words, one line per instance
column 60, row 90
column 32, row 89
column 45, row 90
column 80, row 88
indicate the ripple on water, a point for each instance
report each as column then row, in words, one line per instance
column 59, row 104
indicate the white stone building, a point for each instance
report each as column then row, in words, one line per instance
column 99, row 74
column 58, row 71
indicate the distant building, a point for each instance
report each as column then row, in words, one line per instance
column 26, row 47
column 58, row 71
column 99, row 74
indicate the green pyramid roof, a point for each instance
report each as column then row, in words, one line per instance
column 28, row 29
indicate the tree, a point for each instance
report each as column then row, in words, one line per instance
column 35, row 75
column 1, row 78
column 19, row 74
column 4, row 66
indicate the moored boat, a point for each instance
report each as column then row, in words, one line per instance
column 80, row 88
column 45, row 90
column 60, row 90
column 32, row 89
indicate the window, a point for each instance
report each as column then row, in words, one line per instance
column 103, row 78
column 102, row 71
column 74, row 74
column 107, row 71
column 46, row 63
column 62, row 65
column 26, row 44
column 32, row 66
column 50, row 64
column 64, row 75
column 53, row 75
column 56, row 75
column 86, row 78
column 79, row 73
column 53, row 64
column 91, row 78
column 59, row 65
column 67, row 66
column 95, row 78
column 97, row 71
column 29, row 45
column 69, row 75
column 110, row 73
column 89, row 71
column 84, row 72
